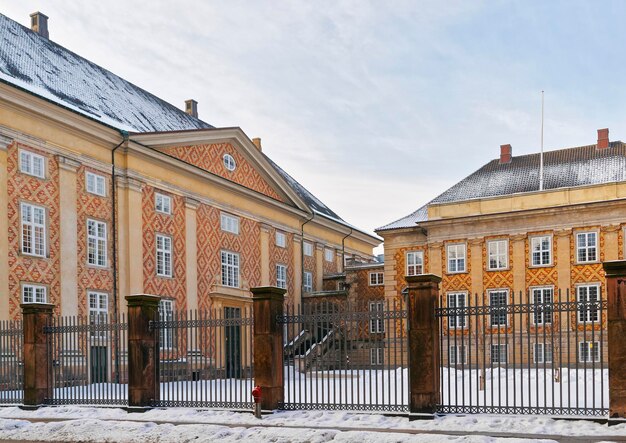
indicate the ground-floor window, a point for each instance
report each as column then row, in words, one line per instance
column 543, row 353
column 498, row 353
column 456, row 355
column 377, row 356
column 588, row 351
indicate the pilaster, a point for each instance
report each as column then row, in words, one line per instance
column 611, row 244
column 434, row 259
column 476, row 250
column 319, row 266
column 518, row 246
column 563, row 237
column 265, row 254
column 4, row 230
column 191, row 251
column 297, row 268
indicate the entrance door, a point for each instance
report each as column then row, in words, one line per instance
column 232, row 334
column 98, row 364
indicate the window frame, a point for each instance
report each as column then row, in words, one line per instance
column 587, row 310
column 229, row 162
column 542, row 313
column 498, row 253
column 307, row 281
column 590, row 359
column 541, row 251
column 455, row 295
column 377, row 325
column 412, row 268
column 596, row 247
column 163, row 208
column 329, row 255
column 100, row 244
column 499, row 353
column 456, row 348
column 97, row 313
column 166, row 335
column 543, row 347
column 97, row 178
column 281, row 276
column 35, row 287
column 280, row 239
column 377, row 356
column 34, row 228
column 32, row 156
column 229, row 270
column 379, row 278
column 229, row 223
column 492, row 292
column 456, row 259
column 307, row 246
column 167, row 256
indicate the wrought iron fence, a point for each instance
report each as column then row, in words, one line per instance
column 346, row 356
column 530, row 354
column 206, row 358
column 88, row 355
column 11, row 362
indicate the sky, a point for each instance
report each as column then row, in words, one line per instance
column 375, row 106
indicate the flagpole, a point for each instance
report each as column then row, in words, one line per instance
column 541, row 155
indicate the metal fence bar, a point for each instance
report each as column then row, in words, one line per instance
column 11, row 362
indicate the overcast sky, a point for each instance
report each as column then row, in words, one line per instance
column 376, row 107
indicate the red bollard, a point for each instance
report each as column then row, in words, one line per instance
column 256, row 393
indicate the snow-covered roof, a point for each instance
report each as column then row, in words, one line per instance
column 46, row 69
column 564, row 168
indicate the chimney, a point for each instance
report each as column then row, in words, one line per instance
column 191, row 107
column 603, row 138
column 257, row 143
column 505, row 154
column 39, row 24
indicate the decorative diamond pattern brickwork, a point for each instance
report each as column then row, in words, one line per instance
column 44, row 192
column 210, row 158
column 283, row 256
column 98, row 208
column 457, row 281
column 309, row 266
column 497, row 279
column 173, row 225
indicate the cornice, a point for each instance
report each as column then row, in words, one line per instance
column 191, row 203
column 67, row 163
column 5, row 142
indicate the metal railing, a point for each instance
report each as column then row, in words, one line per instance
column 206, row 358
column 11, row 362
column 348, row 357
column 530, row 354
column 88, row 355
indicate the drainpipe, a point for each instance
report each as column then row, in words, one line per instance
column 302, row 254
column 343, row 251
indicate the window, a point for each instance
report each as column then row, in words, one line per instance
column 376, row 278
column 541, row 250
column 163, row 255
column 230, row 269
column 229, row 162
column 456, row 258
column 166, row 334
column 229, row 223
column 32, row 164
column 456, row 319
column 308, row 281
column 163, row 203
column 377, row 356
column 498, row 254
column 96, row 243
column 586, row 247
column 33, row 230
column 377, row 323
column 542, row 301
column 281, row 276
column 415, row 263
column 281, row 240
column 328, row 254
column 95, row 184
column 587, row 308
column 308, row 249
column 543, row 353
column 588, row 351
column 498, row 303
column 98, row 311
column 34, row 294
column 456, row 355
column 498, row 353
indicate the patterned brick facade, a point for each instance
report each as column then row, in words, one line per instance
column 283, row 256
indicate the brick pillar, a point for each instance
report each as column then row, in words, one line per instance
column 37, row 362
column 616, row 332
column 268, row 345
column 143, row 350
column 423, row 334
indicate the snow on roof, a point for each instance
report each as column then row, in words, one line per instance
column 48, row 70
column 564, row 168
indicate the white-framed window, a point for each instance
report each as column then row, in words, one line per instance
column 98, row 311
column 33, row 229
column 542, row 353
column 456, row 257
column 281, row 239
column 229, row 223
column 308, row 281
column 281, row 276
column 95, row 184
column 498, row 251
column 542, row 299
column 230, row 269
column 377, row 323
column 308, row 248
column 498, row 300
column 415, row 263
column 377, row 278
column 163, row 255
column 166, row 334
column 329, row 255
column 498, row 353
column 541, row 250
column 229, row 162
column 589, row 298
column 457, row 355
column 377, row 356
column 96, row 243
column 32, row 164
column 34, row 293
column 588, row 351
column 457, row 300
column 586, row 247
column 162, row 203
